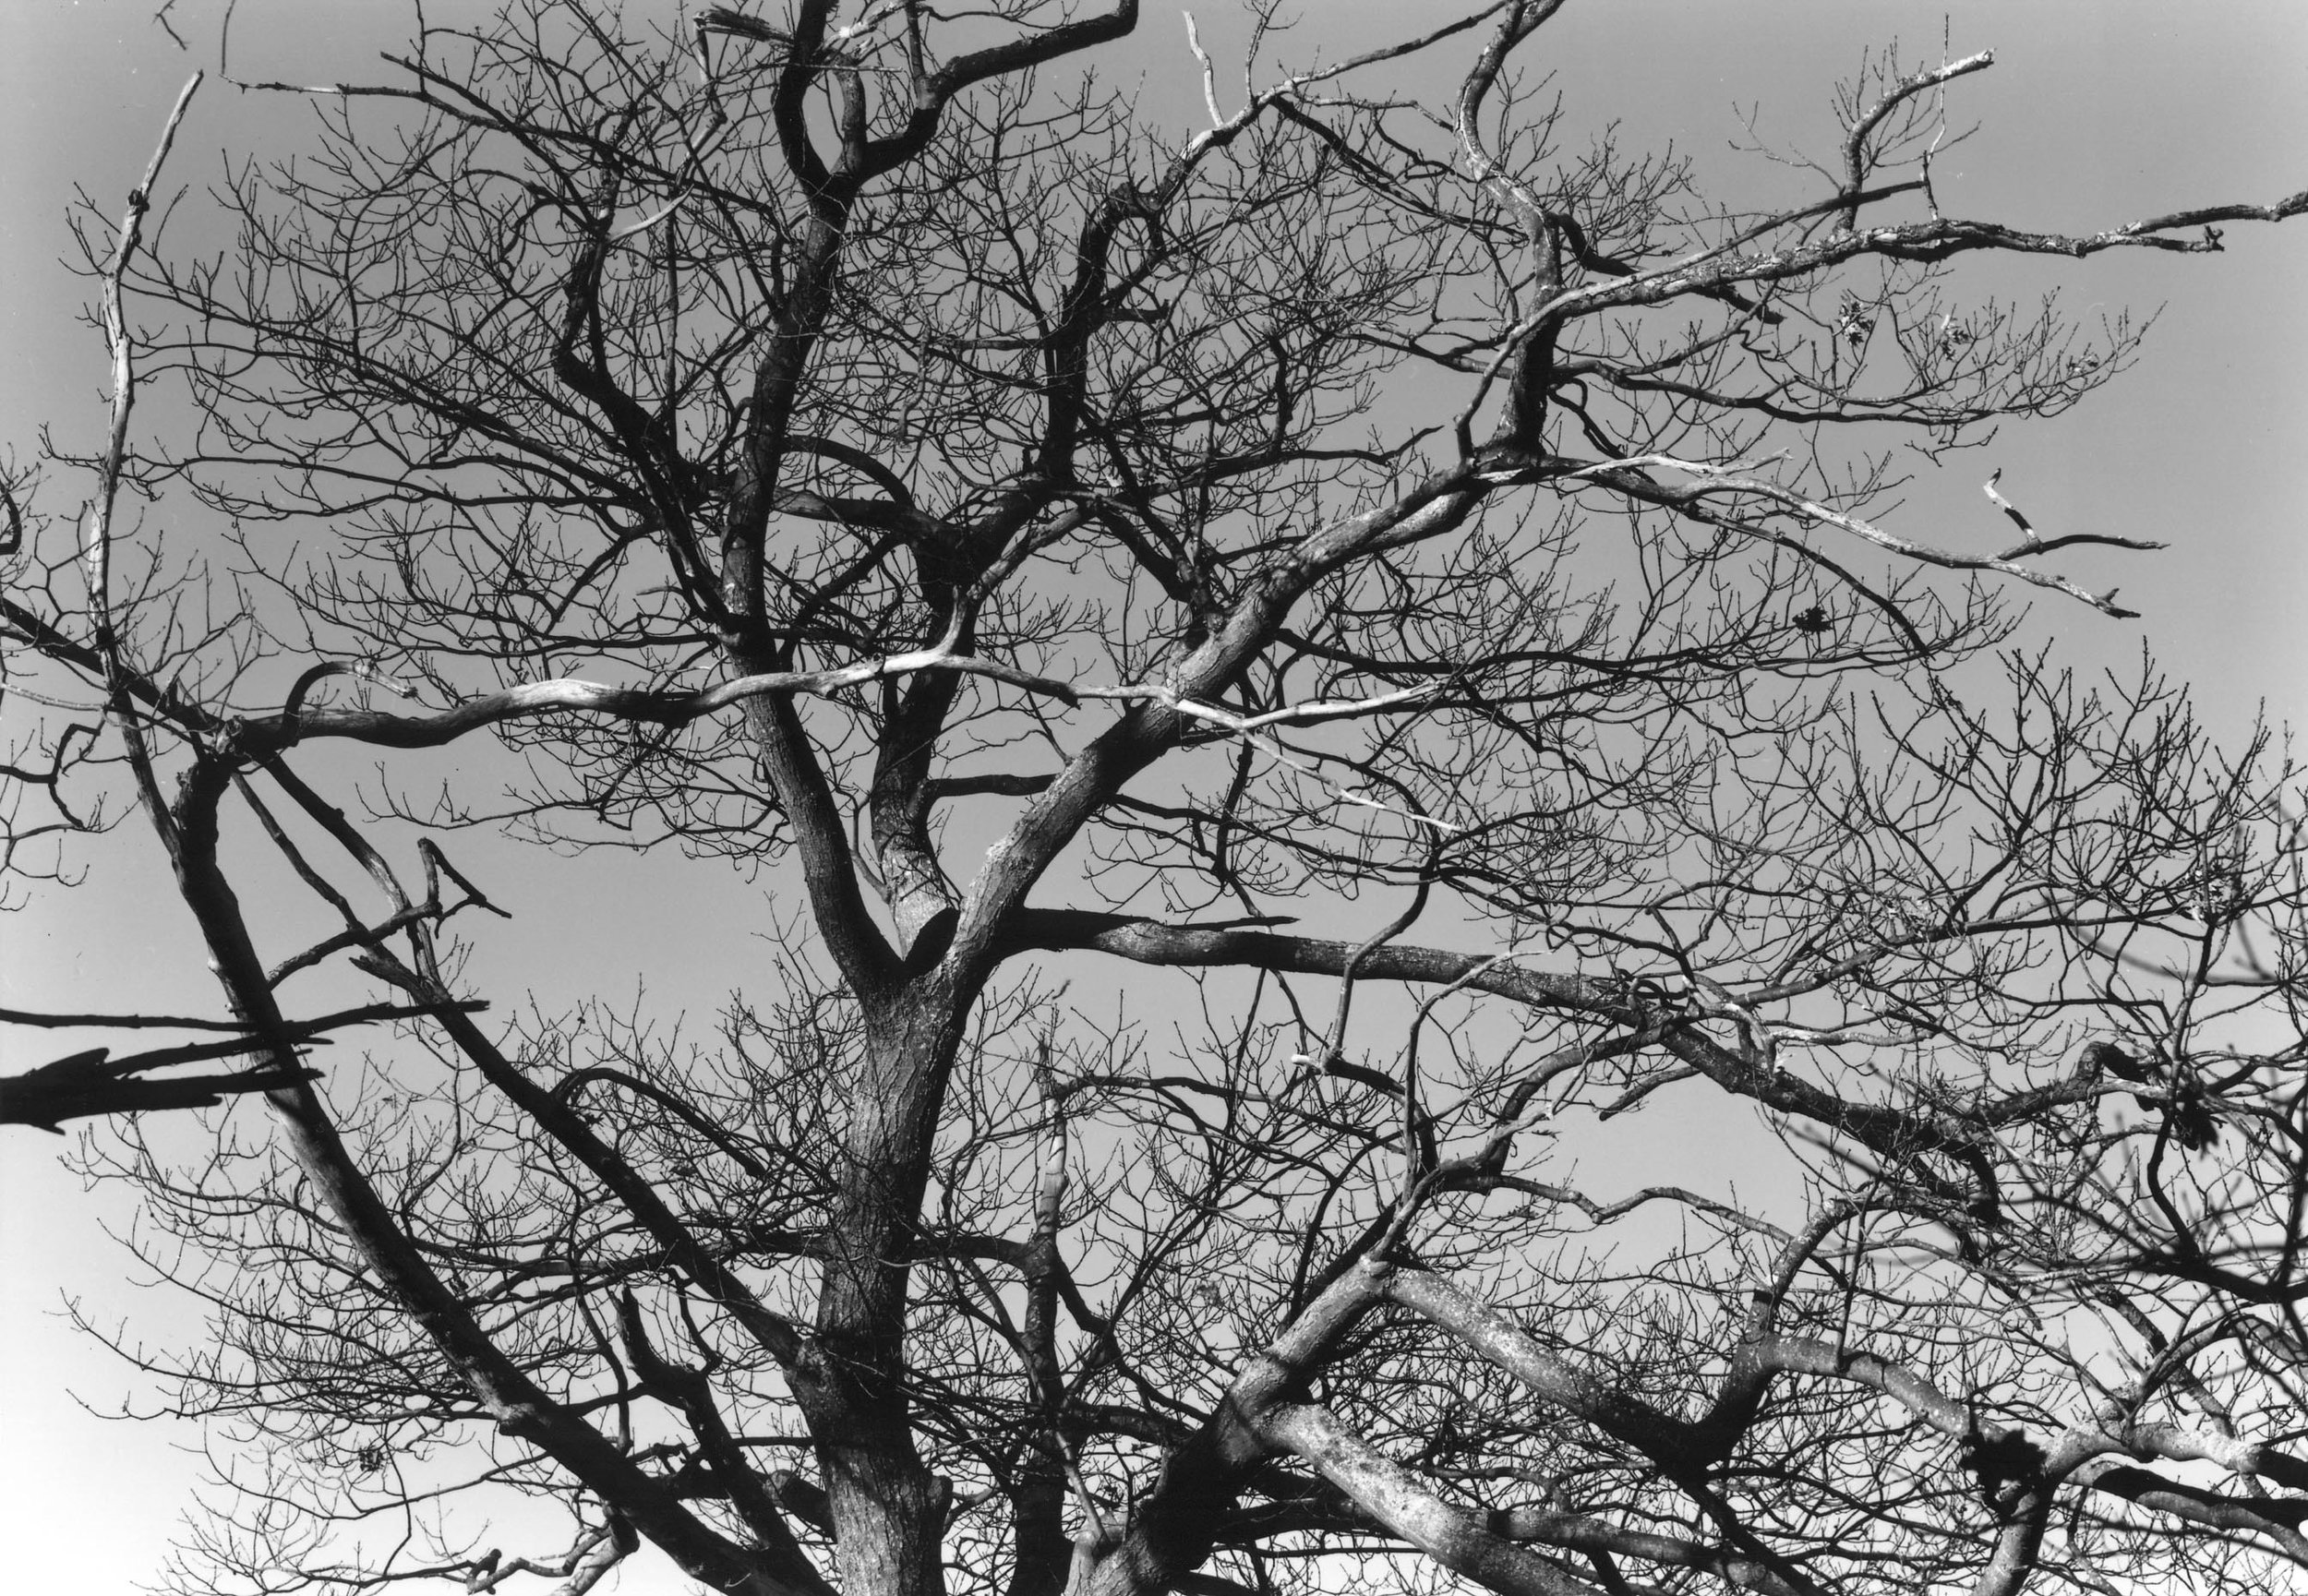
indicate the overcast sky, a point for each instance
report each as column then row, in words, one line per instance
column 2095, row 113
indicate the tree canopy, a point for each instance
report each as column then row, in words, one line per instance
column 1422, row 577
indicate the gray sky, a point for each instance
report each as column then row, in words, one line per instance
column 2094, row 114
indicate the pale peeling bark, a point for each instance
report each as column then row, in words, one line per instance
column 1391, row 1495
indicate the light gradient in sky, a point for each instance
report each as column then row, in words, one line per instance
column 2094, row 114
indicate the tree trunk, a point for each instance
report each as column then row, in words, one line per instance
column 888, row 1509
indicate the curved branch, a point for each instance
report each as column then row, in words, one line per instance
column 1391, row 1495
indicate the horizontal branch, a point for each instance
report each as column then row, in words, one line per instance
column 1683, row 1449
column 571, row 695
column 2277, row 1518
column 87, row 1086
column 1939, row 238
column 1627, row 476
column 292, row 1030
column 1891, row 1132
column 92, row 1082
column 1578, row 1532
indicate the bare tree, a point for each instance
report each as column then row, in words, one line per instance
column 854, row 447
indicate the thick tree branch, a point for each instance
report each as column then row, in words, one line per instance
column 1455, row 1538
